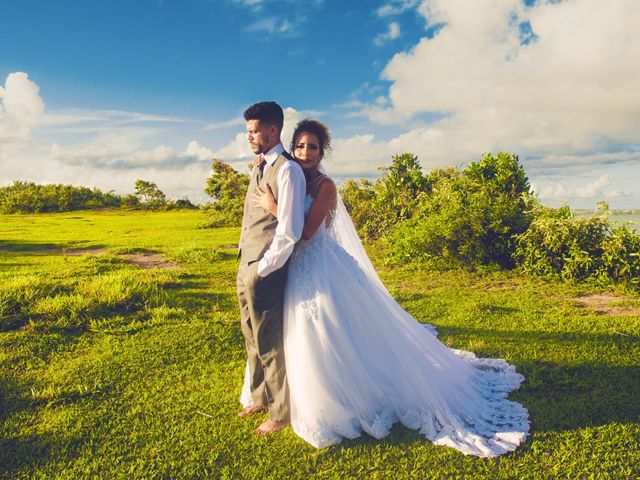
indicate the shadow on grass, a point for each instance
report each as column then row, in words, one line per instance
column 8, row 265
column 20, row 246
column 28, row 452
column 573, row 395
column 196, row 292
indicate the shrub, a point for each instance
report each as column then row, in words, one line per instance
column 558, row 244
column 376, row 208
column 29, row 197
column 227, row 188
column 467, row 216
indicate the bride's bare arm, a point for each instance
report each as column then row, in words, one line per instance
column 265, row 199
column 324, row 201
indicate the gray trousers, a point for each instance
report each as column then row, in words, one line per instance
column 261, row 304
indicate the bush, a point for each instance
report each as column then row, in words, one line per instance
column 558, row 244
column 29, row 197
column 467, row 216
column 227, row 188
column 376, row 208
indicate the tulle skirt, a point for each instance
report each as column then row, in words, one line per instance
column 357, row 362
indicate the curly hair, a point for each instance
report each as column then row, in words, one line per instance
column 268, row 112
column 316, row 128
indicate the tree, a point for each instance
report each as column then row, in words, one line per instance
column 227, row 188
column 150, row 195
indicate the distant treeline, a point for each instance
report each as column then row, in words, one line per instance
column 616, row 211
column 482, row 215
column 29, row 197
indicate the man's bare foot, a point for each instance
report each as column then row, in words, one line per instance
column 251, row 410
column 270, row 426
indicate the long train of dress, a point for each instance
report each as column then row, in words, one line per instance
column 356, row 361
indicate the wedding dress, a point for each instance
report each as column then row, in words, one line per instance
column 356, row 361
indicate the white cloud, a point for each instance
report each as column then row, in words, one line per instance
column 391, row 34
column 593, row 190
column 194, row 149
column 568, row 92
column 395, row 7
column 21, row 110
column 114, row 151
column 358, row 155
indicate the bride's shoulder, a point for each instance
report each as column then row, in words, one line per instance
column 327, row 189
column 326, row 183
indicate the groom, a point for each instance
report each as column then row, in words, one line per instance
column 265, row 245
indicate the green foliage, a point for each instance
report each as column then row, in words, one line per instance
column 358, row 198
column 377, row 207
column 467, row 216
column 181, row 203
column 130, row 201
column 149, row 195
column 579, row 248
column 29, row 197
column 228, row 189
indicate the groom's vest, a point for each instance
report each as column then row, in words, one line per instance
column 258, row 225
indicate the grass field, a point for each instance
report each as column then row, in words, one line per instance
column 110, row 369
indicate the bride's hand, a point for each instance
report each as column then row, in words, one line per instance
column 265, row 199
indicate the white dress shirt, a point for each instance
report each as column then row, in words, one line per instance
column 292, row 187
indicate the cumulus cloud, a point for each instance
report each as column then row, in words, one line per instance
column 567, row 88
column 359, row 155
column 391, row 34
column 195, row 150
column 21, row 110
column 593, row 190
column 112, row 152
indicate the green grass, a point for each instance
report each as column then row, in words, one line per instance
column 108, row 370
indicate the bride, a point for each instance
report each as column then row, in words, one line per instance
column 356, row 361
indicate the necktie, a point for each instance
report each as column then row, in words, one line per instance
column 261, row 166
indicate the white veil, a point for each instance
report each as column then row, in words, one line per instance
column 347, row 236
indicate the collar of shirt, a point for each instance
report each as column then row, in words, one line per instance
column 274, row 153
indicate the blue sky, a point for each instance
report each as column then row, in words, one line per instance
column 101, row 93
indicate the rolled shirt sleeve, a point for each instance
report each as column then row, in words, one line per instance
column 291, row 192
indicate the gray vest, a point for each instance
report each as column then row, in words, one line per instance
column 258, row 225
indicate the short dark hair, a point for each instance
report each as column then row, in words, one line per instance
column 268, row 112
column 315, row 127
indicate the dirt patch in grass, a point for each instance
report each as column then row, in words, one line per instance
column 144, row 260
column 608, row 304
column 149, row 260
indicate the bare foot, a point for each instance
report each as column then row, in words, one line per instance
column 251, row 410
column 270, row 426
